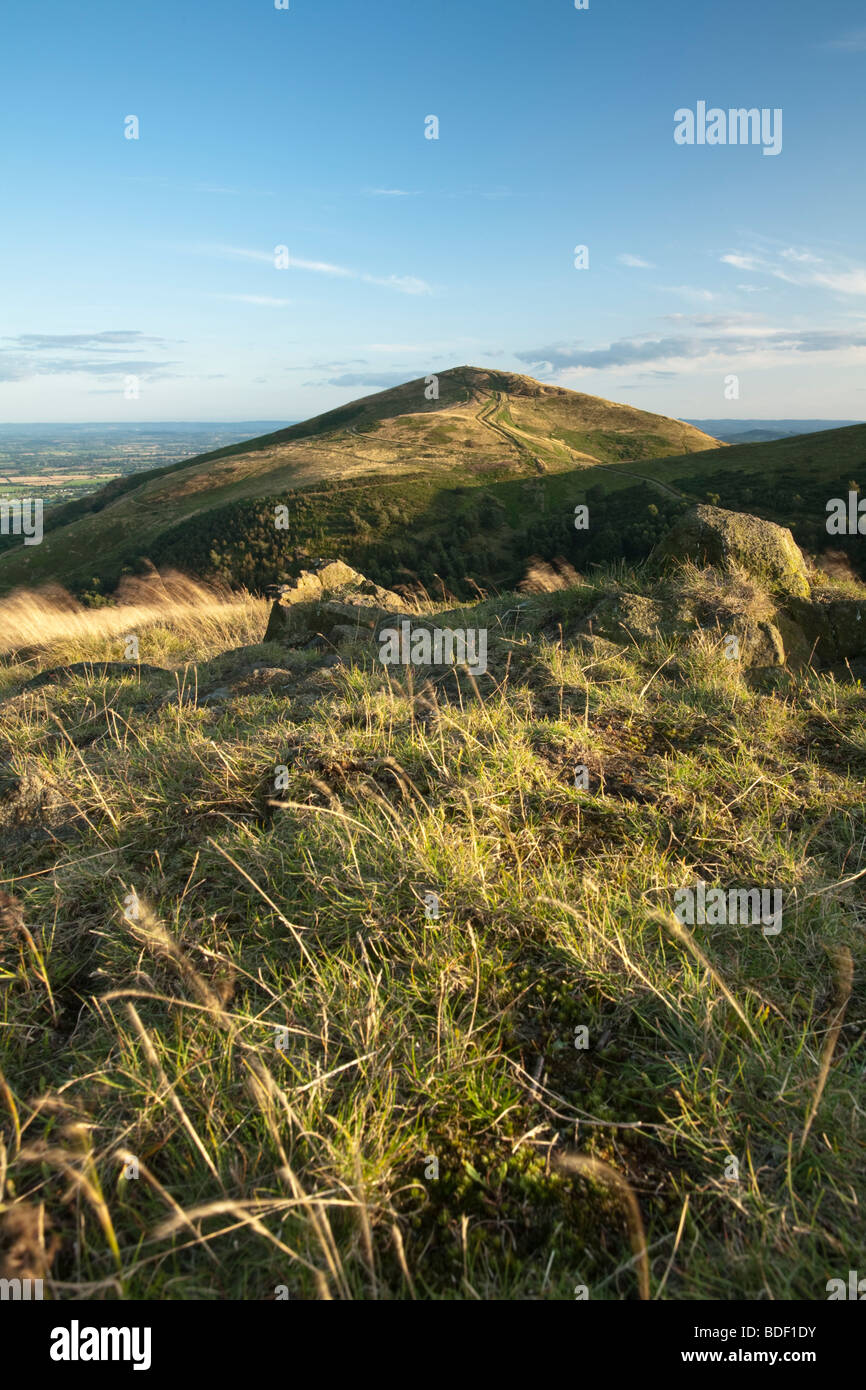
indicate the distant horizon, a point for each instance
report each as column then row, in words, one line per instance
column 841, row 421
column 134, row 424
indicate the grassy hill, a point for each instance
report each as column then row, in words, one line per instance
column 394, row 450
column 479, row 530
column 462, row 491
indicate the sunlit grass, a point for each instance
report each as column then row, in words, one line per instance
column 288, row 1047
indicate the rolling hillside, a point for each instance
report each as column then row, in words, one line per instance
column 485, row 428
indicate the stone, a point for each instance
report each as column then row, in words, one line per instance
column 738, row 543
column 620, row 617
column 333, row 597
column 798, row 648
column 835, row 629
column 761, row 643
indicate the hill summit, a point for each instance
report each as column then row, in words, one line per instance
column 465, row 427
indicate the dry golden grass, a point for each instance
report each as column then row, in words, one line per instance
column 41, row 618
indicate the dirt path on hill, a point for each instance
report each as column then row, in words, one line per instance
column 485, row 417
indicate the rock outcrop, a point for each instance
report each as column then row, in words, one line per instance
column 633, row 620
column 625, row 617
column 334, row 603
column 783, row 624
column 739, row 543
column 835, row 628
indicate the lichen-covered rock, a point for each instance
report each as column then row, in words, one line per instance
column 760, row 643
column 621, row 617
column 331, row 602
column 632, row 619
column 847, row 617
column 738, row 543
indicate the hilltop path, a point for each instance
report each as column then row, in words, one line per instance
column 485, row 417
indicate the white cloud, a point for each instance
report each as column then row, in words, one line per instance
column 206, row 249
column 759, row 347
column 635, row 261
column 689, row 292
column 803, row 257
column 264, row 299
column 722, row 322
column 795, row 267
column 405, row 284
column 848, row 282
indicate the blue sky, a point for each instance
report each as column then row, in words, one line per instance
column 153, row 258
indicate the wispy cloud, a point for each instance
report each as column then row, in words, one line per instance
column 405, row 284
column 39, row 342
column 377, row 380
column 26, row 355
column 264, row 299
column 851, row 43
column 696, row 296
column 796, row 266
column 740, row 262
column 721, row 323
column 326, row 366
column 21, row 368
column 474, row 191
column 846, row 282
column 635, row 261
column 198, row 187
column 626, row 352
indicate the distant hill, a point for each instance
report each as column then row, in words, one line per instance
column 461, row 490
column 759, row 431
column 393, row 453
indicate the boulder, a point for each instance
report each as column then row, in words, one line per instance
column 334, row 602
column 738, row 543
column 835, row 628
column 621, row 617
column 630, row 619
column 760, row 643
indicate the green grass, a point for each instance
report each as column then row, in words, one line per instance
column 408, row 1040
